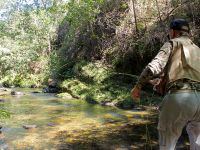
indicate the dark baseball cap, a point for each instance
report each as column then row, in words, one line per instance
column 180, row 25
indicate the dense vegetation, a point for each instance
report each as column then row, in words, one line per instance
column 93, row 49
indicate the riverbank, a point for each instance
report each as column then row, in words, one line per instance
column 98, row 84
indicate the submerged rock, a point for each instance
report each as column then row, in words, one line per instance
column 35, row 92
column 2, row 100
column 51, row 90
column 16, row 93
column 34, row 86
column 108, row 103
column 52, row 87
column 139, row 108
column 51, row 124
column 29, row 126
column 3, row 89
column 125, row 105
column 91, row 101
column 4, row 147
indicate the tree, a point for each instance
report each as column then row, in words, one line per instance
column 28, row 32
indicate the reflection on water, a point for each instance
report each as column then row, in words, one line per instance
column 53, row 117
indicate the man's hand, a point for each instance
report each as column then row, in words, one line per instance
column 135, row 93
column 155, row 82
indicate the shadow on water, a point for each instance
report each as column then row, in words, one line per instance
column 74, row 125
column 117, row 135
column 111, row 136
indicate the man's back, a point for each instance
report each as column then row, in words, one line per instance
column 184, row 62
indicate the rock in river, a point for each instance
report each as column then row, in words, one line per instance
column 51, row 90
column 16, row 93
column 35, row 92
column 51, row 124
column 2, row 100
column 29, row 126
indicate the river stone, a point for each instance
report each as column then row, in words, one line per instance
column 35, row 92
column 50, row 90
column 4, row 147
column 127, row 106
column 29, row 126
column 34, row 86
column 2, row 100
column 3, row 89
column 16, row 93
column 51, row 124
column 91, row 101
column 139, row 108
column 111, row 104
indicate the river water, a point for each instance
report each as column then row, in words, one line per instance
column 70, row 124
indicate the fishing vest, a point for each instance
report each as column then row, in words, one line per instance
column 184, row 61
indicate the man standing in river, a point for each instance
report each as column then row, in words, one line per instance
column 179, row 60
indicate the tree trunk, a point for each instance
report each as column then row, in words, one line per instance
column 133, row 15
column 49, row 44
column 159, row 15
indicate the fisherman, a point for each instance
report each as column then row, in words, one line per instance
column 178, row 62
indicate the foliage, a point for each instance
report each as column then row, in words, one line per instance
column 41, row 33
column 81, row 13
column 4, row 114
column 96, row 83
column 27, row 35
column 79, row 18
column 85, row 43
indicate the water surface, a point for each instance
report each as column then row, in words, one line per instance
column 62, row 123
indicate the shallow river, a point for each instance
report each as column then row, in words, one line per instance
column 70, row 124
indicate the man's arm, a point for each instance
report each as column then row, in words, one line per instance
column 155, row 67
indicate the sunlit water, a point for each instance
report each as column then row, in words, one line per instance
column 52, row 115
